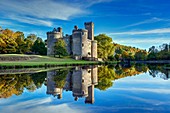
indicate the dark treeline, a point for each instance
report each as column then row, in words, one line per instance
column 16, row 42
column 15, row 84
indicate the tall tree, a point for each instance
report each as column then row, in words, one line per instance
column 21, row 48
column 30, row 41
column 39, row 47
column 105, row 46
column 8, row 42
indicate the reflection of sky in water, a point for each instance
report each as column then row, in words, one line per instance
column 141, row 93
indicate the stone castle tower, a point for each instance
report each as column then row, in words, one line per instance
column 80, row 45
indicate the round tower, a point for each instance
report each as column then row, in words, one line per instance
column 52, row 38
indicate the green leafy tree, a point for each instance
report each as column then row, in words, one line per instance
column 105, row 77
column 21, row 48
column 105, row 46
column 30, row 42
column 39, row 47
column 141, row 55
column 60, row 48
column 7, row 39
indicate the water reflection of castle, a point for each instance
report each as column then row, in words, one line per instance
column 80, row 80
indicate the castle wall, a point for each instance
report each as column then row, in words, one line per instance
column 86, row 46
column 68, row 41
column 77, row 42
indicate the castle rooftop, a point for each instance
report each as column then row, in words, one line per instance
column 80, row 30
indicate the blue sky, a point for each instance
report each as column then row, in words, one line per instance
column 139, row 23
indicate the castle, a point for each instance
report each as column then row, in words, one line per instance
column 80, row 45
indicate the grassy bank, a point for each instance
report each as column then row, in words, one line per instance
column 38, row 61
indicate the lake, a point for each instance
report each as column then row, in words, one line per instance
column 86, row 89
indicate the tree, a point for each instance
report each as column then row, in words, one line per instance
column 60, row 48
column 21, row 48
column 105, row 46
column 30, row 41
column 39, row 47
column 7, row 39
column 141, row 55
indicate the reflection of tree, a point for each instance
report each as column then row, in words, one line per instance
column 105, row 77
column 15, row 84
column 141, row 67
column 107, row 74
column 60, row 78
column 158, row 70
column 38, row 79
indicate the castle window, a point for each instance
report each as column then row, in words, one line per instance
column 89, row 71
column 89, row 53
column 82, row 44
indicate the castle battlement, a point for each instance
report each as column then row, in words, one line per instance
column 80, row 43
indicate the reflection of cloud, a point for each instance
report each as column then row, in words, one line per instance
column 39, row 106
column 148, row 101
column 151, row 90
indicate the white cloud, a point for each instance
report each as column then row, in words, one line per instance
column 155, row 40
column 43, row 12
column 92, row 2
column 38, row 12
column 33, row 21
column 152, row 20
column 9, row 24
column 40, row 8
column 153, row 31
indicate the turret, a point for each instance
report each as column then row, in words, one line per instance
column 52, row 37
column 90, row 27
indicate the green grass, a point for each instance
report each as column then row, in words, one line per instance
column 41, row 60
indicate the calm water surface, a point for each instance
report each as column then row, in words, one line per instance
column 90, row 89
